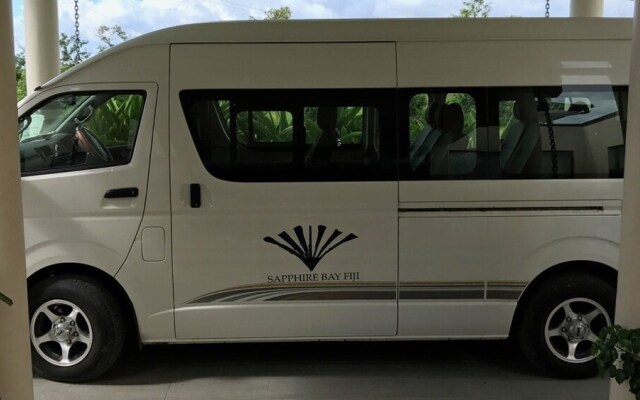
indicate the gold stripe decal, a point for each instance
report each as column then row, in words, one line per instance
column 303, row 291
column 388, row 291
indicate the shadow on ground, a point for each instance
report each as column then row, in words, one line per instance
column 406, row 359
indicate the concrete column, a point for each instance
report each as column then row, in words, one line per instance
column 42, row 53
column 629, row 273
column 587, row 8
column 16, row 381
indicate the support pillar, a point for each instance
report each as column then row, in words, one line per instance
column 16, row 381
column 627, row 313
column 587, row 8
column 42, row 53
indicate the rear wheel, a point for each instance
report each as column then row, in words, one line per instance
column 76, row 329
column 562, row 320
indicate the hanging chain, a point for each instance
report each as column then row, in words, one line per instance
column 552, row 137
column 546, row 12
column 77, row 33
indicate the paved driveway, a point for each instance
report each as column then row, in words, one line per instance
column 329, row 370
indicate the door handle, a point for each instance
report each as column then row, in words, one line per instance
column 194, row 193
column 121, row 193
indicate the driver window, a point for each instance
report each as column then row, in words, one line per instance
column 80, row 131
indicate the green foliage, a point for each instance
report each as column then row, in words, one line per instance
column 417, row 115
column 21, row 76
column 474, row 9
column 277, row 14
column 617, row 353
column 418, row 111
column 505, row 116
column 277, row 126
column 349, row 124
column 112, row 121
column 266, row 127
column 110, row 36
column 5, row 299
column 69, row 52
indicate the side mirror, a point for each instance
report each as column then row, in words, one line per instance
column 579, row 108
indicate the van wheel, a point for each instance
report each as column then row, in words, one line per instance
column 76, row 329
column 562, row 320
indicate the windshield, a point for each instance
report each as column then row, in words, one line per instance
column 50, row 117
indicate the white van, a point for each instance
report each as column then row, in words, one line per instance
column 329, row 180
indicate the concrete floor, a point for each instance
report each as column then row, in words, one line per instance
column 328, row 370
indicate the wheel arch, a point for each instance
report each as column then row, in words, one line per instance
column 594, row 268
column 108, row 281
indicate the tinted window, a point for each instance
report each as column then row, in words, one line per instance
column 560, row 132
column 79, row 131
column 441, row 134
column 293, row 135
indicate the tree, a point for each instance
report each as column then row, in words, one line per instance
column 109, row 36
column 277, row 14
column 21, row 76
column 474, row 9
column 70, row 54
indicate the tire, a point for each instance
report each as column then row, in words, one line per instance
column 562, row 317
column 79, row 314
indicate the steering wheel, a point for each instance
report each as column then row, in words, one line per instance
column 91, row 144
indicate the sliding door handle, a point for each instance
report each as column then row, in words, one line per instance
column 121, row 193
column 194, row 194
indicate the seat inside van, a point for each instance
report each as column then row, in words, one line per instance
column 521, row 149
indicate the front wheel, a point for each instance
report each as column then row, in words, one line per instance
column 562, row 320
column 76, row 329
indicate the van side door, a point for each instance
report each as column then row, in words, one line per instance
column 283, row 190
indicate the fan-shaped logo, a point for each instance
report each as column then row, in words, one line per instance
column 308, row 250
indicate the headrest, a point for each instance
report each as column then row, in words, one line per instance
column 451, row 119
column 327, row 119
column 525, row 110
column 432, row 114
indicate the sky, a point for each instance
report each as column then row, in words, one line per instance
column 137, row 17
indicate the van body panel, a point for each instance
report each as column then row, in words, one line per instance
column 147, row 63
column 460, row 319
column 291, row 66
column 565, row 62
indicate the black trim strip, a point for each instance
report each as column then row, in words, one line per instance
column 487, row 209
column 442, row 294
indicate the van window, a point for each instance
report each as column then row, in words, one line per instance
column 349, row 124
column 260, row 126
column 442, row 134
column 80, row 131
column 293, row 135
column 561, row 132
